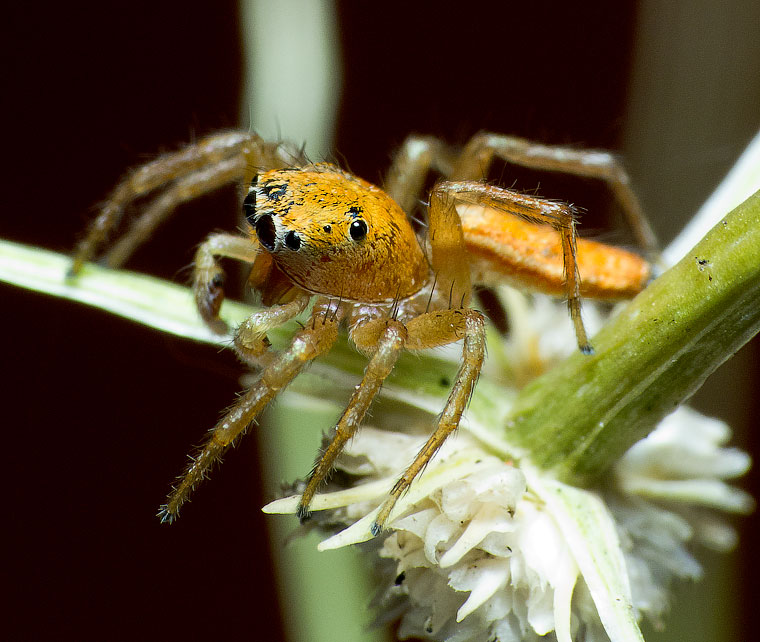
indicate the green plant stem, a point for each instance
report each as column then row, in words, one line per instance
column 581, row 416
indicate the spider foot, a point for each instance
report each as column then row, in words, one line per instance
column 303, row 513
column 164, row 515
column 382, row 517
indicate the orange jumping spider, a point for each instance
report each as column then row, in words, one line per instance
column 318, row 234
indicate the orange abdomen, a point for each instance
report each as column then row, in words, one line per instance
column 505, row 248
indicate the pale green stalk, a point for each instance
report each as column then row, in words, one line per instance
column 291, row 87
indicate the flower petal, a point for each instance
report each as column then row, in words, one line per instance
column 490, row 518
column 591, row 535
column 483, row 578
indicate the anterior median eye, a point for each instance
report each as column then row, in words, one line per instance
column 358, row 229
column 292, row 240
column 265, row 231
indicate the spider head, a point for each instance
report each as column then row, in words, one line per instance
column 332, row 233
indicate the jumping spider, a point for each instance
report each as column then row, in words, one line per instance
column 318, row 234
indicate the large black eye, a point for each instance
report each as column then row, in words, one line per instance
column 292, row 240
column 249, row 206
column 358, row 230
column 265, row 231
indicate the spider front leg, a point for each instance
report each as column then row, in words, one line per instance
column 431, row 330
column 251, row 343
column 387, row 349
column 200, row 168
column 315, row 338
column 208, row 276
column 478, row 154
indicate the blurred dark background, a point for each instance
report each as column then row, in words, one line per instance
column 98, row 412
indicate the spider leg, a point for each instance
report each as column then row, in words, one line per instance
column 388, row 348
column 448, row 251
column 559, row 215
column 477, row 155
column 227, row 157
column 429, row 330
column 208, row 276
column 251, row 343
column 315, row 338
column 181, row 190
column 413, row 161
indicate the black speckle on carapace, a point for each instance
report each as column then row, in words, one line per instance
column 355, row 210
column 274, row 192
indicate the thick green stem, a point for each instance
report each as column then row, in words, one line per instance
column 581, row 416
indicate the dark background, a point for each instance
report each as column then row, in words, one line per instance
column 98, row 412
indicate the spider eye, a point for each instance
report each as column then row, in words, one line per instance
column 358, row 229
column 249, row 206
column 266, row 232
column 292, row 240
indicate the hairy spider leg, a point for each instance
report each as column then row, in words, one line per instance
column 610, row 273
column 405, row 181
column 448, row 258
column 251, row 343
column 317, row 336
column 448, row 251
column 200, row 168
column 535, row 210
column 387, row 349
column 476, row 158
column 430, row 330
column 208, row 276
column 416, row 157
column 181, row 190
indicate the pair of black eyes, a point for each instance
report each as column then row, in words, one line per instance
column 265, row 230
column 358, row 230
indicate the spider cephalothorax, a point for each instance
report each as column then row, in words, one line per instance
column 321, row 224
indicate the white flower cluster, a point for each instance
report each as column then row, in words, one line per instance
column 480, row 550
column 665, row 486
column 481, row 557
column 479, row 560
